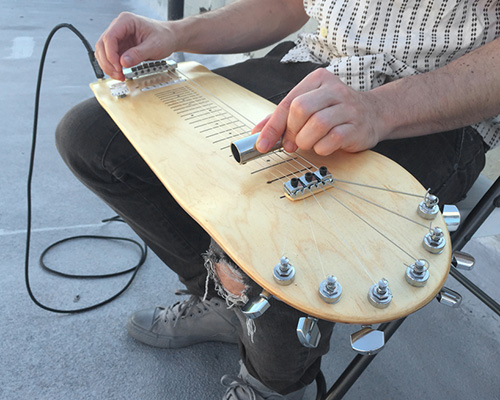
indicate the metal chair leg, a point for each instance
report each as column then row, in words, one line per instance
column 461, row 237
column 358, row 365
column 175, row 9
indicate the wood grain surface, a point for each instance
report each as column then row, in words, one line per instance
column 355, row 232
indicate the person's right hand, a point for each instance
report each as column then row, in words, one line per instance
column 131, row 39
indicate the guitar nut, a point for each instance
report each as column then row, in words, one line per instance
column 330, row 290
column 417, row 274
column 379, row 294
column 434, row 241
column 284, row 272
column 429, row 207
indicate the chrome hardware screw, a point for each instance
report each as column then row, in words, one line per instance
column 331, row 284
column 434, row 241
column 284, row 265
column 428, row 208
column 419, row 267
column 417, row 274
column 431, row 201
column 284, row 272
column 382, row 287
column 379, row 294
column 330, row 290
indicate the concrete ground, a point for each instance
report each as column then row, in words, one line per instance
column 438, row 353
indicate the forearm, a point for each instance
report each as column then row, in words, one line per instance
column 464, row 92
column 241, row 26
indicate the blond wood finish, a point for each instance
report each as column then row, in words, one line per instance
column 256, row 225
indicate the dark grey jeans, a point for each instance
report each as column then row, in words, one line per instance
column 102, row 158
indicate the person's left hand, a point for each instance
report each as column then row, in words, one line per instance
column 323, row 114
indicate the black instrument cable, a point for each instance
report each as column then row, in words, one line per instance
column 143, row 250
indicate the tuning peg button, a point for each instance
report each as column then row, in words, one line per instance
column 449, row 297
column 308, row 332
column 367, row 341
column 463, row 261
column 255, row 308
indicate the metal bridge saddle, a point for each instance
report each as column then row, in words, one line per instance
column 307, row 184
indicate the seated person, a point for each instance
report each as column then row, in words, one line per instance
column 416, row 81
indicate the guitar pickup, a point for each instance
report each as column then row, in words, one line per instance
column 305, row 185
column 149, row 68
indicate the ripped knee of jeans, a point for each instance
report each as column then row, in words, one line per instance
column 230, row 282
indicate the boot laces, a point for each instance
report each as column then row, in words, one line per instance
column 181, row 309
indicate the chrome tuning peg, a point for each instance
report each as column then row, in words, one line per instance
column 255, row 308
column 308, row 332
column 434, row 241
column 417, row 274
column 463, row 261
column 449, row 297
column 367, row 341
column 284, row 272
column 429, row 207
column 452, row 217
column 380, row 295
column 330, row 290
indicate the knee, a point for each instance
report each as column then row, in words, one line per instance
column 71, row 130
column 81, row 135
column 230, row 282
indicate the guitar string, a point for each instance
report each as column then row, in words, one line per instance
column 217, row 124
column 352, row 211
column 377, row 205
column 381, row 188
column 369, row 224
column 201, row 88
column 339, row 231
column 192, row 83
column 368, row 186
column 320, row 257
column 308, row 168
column 336, row 229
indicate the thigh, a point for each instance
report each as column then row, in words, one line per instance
column 104, row 160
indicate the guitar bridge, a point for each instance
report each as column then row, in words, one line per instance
column 304, row 186
column 149, row 68
column 155, row 74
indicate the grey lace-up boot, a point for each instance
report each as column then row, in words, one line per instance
column 185, row 323
column 246, row 387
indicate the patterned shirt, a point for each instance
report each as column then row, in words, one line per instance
column 371, row 42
